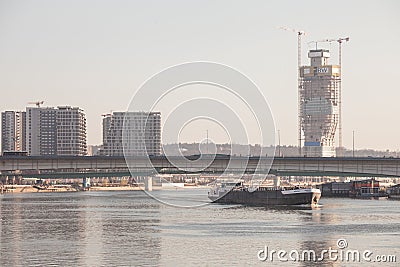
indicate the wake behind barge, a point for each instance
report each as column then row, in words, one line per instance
column 237, row 193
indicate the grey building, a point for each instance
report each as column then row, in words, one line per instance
column 141, row 132
column 71, row 131
column 13, row 133
column 55, row 131
column 41, row 131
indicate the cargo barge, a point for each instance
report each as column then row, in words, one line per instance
column 238, row 193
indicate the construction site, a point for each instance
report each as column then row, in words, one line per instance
column 319, row 100
column 319, row 104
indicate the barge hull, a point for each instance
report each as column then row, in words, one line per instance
column 263, row 198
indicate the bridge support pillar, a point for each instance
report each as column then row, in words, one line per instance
column 86, row 183
column 148, row 183
column 277, row 181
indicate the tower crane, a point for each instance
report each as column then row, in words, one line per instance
column 340, row 40
column 107, row 114
column 299, row 33
column 37, row 103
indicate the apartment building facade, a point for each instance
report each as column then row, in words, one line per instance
column 139, row 133
column 13, row 133
column 56, row 131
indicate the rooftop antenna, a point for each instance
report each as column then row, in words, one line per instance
column 207, row 141
column 314, row 42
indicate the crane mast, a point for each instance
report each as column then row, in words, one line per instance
column 299, row 33
column 340, row 40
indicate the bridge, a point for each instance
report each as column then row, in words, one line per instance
column 105, row 166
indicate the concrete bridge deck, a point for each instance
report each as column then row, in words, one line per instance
column 295, row 166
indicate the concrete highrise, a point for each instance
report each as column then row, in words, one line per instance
column 52, row 131
column 142, row 133
column 71, row 131
column 13, row 133
column 319, row 104
column 41, row 131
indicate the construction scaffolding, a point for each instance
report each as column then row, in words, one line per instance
column 319, row 104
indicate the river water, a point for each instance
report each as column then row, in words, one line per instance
column 132, row 229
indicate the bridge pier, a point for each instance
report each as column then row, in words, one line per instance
column 277, row 181
column 148, row 183
column 86, row 183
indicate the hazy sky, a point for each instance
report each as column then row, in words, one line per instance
column 95, row 54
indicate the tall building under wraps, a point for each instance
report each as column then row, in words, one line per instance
column 319, row 104
column 141, row 132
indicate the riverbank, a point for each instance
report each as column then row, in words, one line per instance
column 6, row 189
column 115, row 188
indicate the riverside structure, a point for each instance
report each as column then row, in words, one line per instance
column 45, row 131
column 104, row 166
column 13, row 131
column 140, row 131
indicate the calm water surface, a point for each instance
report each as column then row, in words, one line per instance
column 131, row 229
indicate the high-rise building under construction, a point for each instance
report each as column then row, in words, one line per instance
column 319, row 87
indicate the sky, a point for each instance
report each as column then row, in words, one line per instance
column 96, row 54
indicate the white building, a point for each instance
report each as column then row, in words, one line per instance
column 141, row 132
column 71, row 131
column 13, row 134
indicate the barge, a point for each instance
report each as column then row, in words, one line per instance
column 238, row 193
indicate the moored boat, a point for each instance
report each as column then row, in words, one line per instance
column 238, row 193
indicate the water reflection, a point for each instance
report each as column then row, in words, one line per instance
column 319, row 258
column 129, row 228
column 77, row 230
column 33, row 227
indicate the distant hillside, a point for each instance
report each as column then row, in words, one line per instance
column 254, row 150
